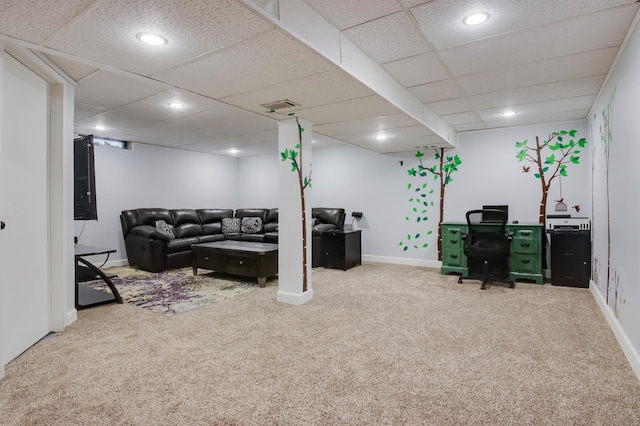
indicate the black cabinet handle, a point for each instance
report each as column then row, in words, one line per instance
column 525, row 233
column 453, row 231
column 524, row 244
column 454, row 241
column 454, row 256
column 3, row 225
column 525, row 261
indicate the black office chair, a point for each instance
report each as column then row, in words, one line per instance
column 487, row 246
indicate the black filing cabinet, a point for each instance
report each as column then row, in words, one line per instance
column 341, row 249
column 570, row 258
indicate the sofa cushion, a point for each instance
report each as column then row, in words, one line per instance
column 165, row 228
column 261, row 213
column 230, row 225
column 211, row 219
column 186, row 223
column 251, row 224
column 271, row 223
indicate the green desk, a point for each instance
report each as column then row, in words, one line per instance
column 525, row 261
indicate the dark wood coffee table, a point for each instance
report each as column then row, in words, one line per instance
column 245, row 258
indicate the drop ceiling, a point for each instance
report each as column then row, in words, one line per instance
column 546, row 60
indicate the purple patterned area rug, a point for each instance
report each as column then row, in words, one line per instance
column 176, row 291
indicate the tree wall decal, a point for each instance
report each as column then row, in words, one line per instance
column 295, row 156
column 442, row 170
column 557, row 155
column 606, row 137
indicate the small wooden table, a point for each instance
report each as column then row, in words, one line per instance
column 245, row 258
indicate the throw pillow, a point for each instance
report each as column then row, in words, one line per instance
column 164, row 227
column 251, row 225
column 230, row 225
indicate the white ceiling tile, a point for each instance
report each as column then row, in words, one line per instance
column 82, row 111
column 451, row 106
column 109, row 90
column 253, row 126
column 541, row 43
column 345, row 14
column 73, row 69
column 538, row 119
column 389, row 38
column 469, row 126
column 441, row 20
column 367, row 124
column 164, row 130
column 411, row 3
column 415, row 70
column 265, row 60
column 542, row 92
column 264, row 148
column 322, row 141
column 35, row 20
column 436, row 91
column 320, row 89
column 567, row 68
column 109, row 32
column 117, row 120
column 461, row 118
column 357, row 109
column 539, row 108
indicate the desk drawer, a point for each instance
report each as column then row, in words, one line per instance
column 452, row 237
column 524, row 245
column 452, row 257
column 525, row 263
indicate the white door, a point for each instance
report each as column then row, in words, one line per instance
column 24, row 286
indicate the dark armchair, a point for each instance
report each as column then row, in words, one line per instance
column 487, row 246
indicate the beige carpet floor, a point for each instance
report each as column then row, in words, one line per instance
column 378, row 345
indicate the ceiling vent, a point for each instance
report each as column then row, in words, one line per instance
column 285, row 103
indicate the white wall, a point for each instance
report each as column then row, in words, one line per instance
column 149, row 176
column 490, row 173
column 257, row 183
column 616, row 198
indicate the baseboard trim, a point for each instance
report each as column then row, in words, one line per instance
column 402, row 261
column 70, row 317
column 295, row 298
column 630, row 352
column 116, row 262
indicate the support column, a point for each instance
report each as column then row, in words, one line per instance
column 294, row 174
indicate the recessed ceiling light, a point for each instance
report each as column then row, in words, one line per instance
column 176, row 105
column 381, row 137
column 233, row 151
column 151, row 39
column 476, row 18
column 99, row 127
column 508, row 113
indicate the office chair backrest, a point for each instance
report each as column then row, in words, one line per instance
column 476, row 219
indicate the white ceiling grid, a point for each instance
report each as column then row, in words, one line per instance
column 544, row 59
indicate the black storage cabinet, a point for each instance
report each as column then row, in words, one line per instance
column 341, row 249
column 570, row 258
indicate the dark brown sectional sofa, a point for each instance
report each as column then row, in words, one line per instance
column 151, row 249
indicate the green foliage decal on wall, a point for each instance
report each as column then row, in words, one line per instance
column 294, row 155
column 419, row 199
column 551, row 158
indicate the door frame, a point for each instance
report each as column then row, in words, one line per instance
column 61, row 273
